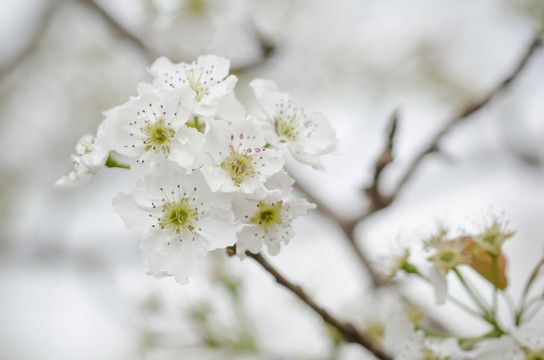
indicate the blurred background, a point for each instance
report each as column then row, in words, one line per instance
column 72, row 284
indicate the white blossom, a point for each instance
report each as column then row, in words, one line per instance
column 91, row 155
column 239, row 160
column 406, row 343
column 179, row 216
column 208, row 176
column 154, row 125
column 267, row 221
column 223, row 27
column 523, row 343
column 308, row 136
column 438, row 279
column 208, row 77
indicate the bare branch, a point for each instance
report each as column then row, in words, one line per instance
column 267, row 47
column 348, row 227
column 347, row 330
column 377, row 199
column 120, row 30
column 467, row 112
column 32, row 44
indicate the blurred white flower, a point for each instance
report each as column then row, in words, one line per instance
column 494, row 235
column 372, row 315
column 437, row 278
column 308, row 136
column 406, row 343
column 523, row 343
column 91, row 155
column 184, row 29
column 392, row 262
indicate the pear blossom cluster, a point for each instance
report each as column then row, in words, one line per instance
column 510, row 337
column 209, row 175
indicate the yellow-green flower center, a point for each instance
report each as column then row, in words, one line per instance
column 178, row 216
column 268, row 215
column 288, row 126
column 493, row 237
column 195, row 82
column 158, row 136
column 239, row 166
column 196, row 7
column 375, row 330
column 428, row 354
column 448, row 256
column 530, row 355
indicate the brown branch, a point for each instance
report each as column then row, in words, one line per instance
column 467, row 112
column 267, row 47
column 347, row 330
column 348, row 227
column 33, row 43
column 120, row 30
column 377, row 199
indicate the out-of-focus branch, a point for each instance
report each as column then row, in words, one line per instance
column 347, row 330
column 377, row 199
column 467, row 112
column 267, row 47
column 32, row 44
column 120, row 30
column 347, row 226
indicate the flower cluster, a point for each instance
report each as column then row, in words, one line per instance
column 209, row 175
column 483, row 253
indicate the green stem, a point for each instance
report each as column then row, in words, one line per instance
column 246, row 339
column 527, row 305
column 522, row 302
column 112, row 163
column 535, row 310
column 197, row 126
column 433, row 334
column 510, row 302
column 467, row 343
column 464, row 307
column 412, row 269
column 474, row 295
column 495, row 279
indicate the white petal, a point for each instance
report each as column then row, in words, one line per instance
column 167, row 256
column 437, row 277
column 73, row 181
column 248, row 241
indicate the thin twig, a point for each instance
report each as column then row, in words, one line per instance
column 348, row 227
column 32, row 44
column 120, row 30
column 466, row 112
column 347, row 330
column 267, row 47
column 377, row 199
column 527, row 288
